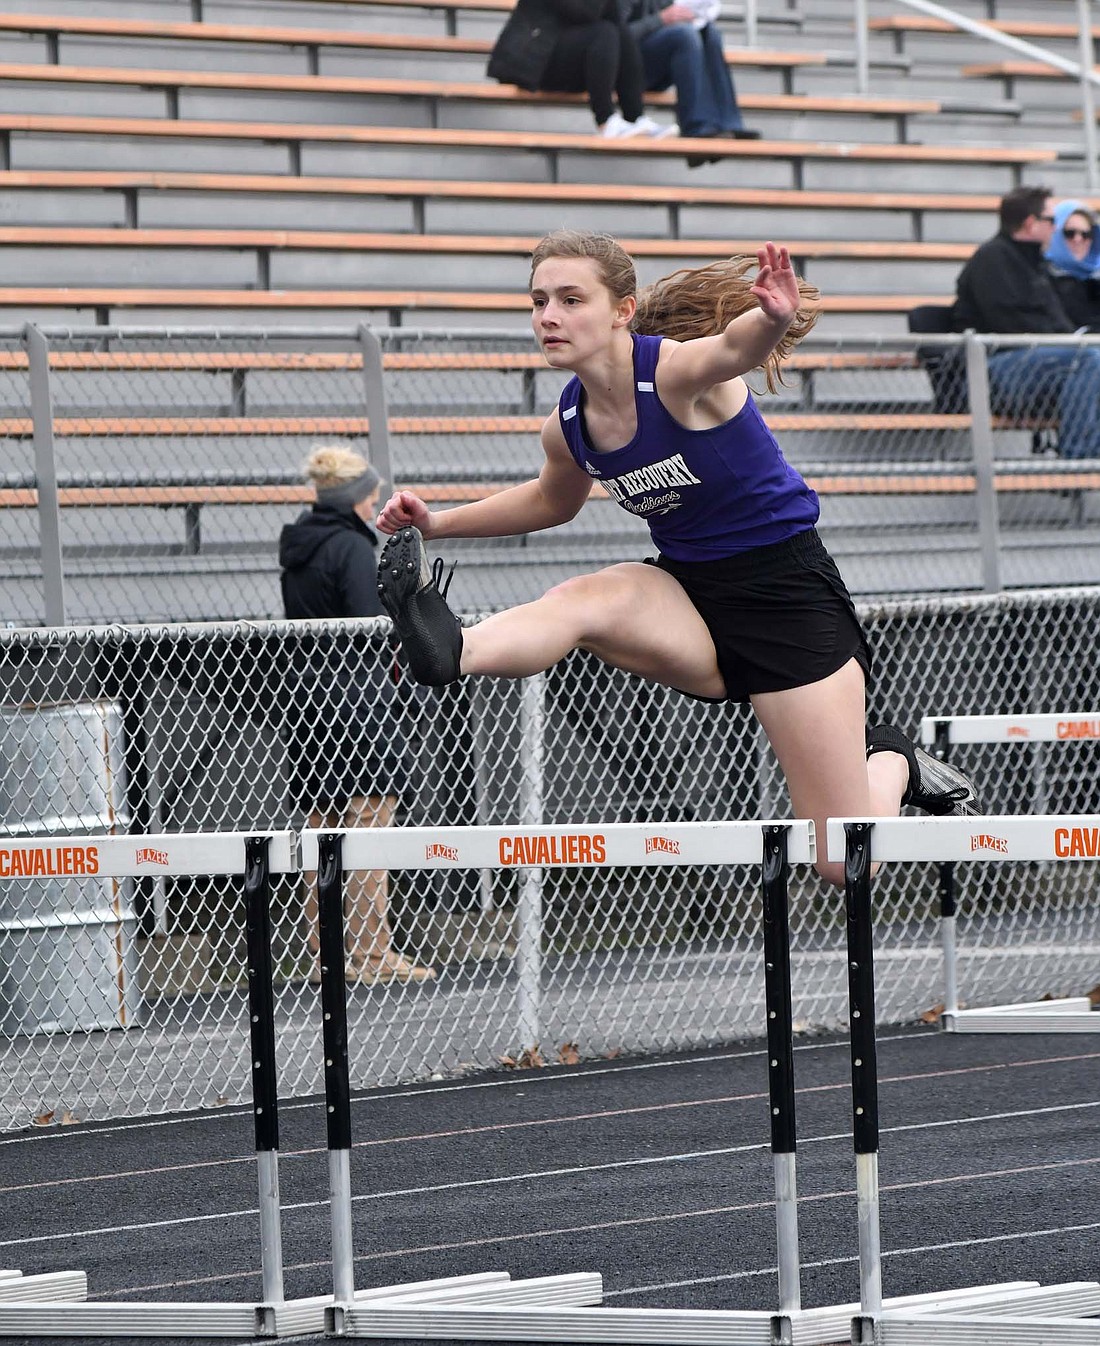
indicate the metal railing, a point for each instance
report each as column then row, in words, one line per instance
column 1082, row 70
column 149, row 471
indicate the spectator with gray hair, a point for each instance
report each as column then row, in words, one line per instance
column 347, row 750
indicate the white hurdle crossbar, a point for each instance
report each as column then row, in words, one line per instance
column 1072, row 1014
column 999, row 1315
column 562, row 1308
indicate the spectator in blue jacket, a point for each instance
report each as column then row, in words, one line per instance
column 1073, row 255
column 681, row 46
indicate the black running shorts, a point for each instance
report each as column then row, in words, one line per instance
column 780, row 616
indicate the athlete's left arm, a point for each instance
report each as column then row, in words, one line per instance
column 692, row 367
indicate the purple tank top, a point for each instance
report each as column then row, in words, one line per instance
column 705, row 494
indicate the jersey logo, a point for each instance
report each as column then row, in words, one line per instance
column 568, row 413
column 645, row 387
column 662, row 476
column 661, row 504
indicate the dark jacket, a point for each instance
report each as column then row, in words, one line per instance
column 342, row 718
column 525, row 44
column 328, row 565
column 1007, row 287
column 1080, row 298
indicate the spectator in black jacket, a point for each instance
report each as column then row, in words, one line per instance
column 1073, row 254
column 682, row 47
column 347, row 750
column 1007, row 287
column 578, row 46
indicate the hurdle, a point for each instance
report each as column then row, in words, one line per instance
column 1070, row 1014
column 56, row 1304
column 568, row 1308
column 1014, row 1314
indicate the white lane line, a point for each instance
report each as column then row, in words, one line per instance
column 588, row 1168
column 524, row 1078
column 572, row 1230
column 1017, row 1236
column 565, row 1119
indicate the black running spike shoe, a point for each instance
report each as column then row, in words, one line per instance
column 934, row 786
column 413, row 592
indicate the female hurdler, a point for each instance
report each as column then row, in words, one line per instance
column 744, row 603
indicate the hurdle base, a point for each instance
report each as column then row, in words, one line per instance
column 55, row 1305
column 53, row 1287
column 626, row 1327
column 1018, row 1314
column 522, row 1311
column 1072, row 1014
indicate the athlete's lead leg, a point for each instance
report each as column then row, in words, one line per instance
column 631, row 616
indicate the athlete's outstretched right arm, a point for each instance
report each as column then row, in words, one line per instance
column 554, row 497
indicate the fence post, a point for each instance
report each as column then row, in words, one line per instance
column 981, row 439
column 45, row 467
column 374, row 388
column 532, row 714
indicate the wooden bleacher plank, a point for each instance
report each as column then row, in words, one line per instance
column 791, row 103
column 445, row 138
column 20, row 427
column 94, row 361
column 120, row 297
column 58, row 25
column 270, row 82
column 1025, row 28
column 1015, row 70
column 775, row 198
column 519, row 246
column 919, row 481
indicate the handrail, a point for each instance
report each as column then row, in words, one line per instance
column 1082, row 70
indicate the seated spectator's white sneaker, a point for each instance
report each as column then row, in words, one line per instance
column 618, row 128
column 648, row 127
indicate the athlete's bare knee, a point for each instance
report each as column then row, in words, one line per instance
column 594, row 602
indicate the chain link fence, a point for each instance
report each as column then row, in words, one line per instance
column 150, row 472
column 128, row 997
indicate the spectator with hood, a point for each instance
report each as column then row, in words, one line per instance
column 346, row 746
column 1073, row 255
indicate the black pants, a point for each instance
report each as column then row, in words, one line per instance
column 598, row 59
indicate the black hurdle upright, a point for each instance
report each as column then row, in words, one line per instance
column 861, row 1005
column 334, row 1017
column 261, row 1025
column 777, row 996
column 948, row 900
